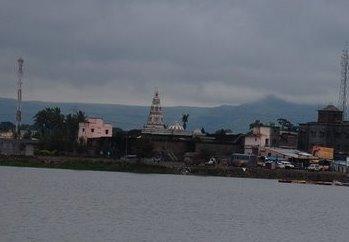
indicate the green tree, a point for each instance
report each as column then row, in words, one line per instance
column 7, row 126
column 72, row 124
column 143, row 148
column 256, row 123
column 287, row 125
column 49, row 120
column 50, row 125
column 221, row 134
column 56, row 131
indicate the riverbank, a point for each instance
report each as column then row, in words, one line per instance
column 83, row 163
column 101, row 164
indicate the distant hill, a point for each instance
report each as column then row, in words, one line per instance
column 236, row 118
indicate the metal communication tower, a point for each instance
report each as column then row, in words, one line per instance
column 344, row 85
column 19, row 95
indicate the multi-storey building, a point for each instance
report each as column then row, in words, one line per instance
column 261, row 136
column 94, row 128
column 330, row 130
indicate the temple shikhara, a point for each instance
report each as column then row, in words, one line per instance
column 156, row 116
column 155, row 123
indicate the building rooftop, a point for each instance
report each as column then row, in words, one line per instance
column 313, row 123
column 330, row 108
column 292, row 153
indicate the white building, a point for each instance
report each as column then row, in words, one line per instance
column 259, row 137
column 7, row 134
column 94, row 128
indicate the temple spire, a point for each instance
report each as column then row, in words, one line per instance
column 156, row 117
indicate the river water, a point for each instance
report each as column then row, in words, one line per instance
column 65, row 205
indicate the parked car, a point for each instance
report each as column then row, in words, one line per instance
column 280, row 165
column 314, row 167
column 157, row 159
column 288, row 165
column 212, row 161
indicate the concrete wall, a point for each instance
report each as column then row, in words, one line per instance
column 16, row 147
column 288, row 139
column 7, row 135
column 179, row 148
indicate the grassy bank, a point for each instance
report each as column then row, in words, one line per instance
column 270, row 174
column 98, row 164
column 86, row 164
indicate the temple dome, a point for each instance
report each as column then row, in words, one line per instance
column 198, row 132
column 176, row 127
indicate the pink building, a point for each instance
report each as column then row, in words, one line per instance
column 94, row 128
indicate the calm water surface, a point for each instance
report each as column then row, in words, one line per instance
column 64, row 205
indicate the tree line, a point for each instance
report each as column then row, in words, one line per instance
column 57, row 131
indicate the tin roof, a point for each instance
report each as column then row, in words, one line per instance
column 293, row 153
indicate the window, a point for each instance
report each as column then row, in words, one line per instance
column 322, row 134
column 83, row 129
column 266, row 142
column 106, row 131
column 92, row 130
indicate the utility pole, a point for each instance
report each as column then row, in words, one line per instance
column 126, row 148
column 20, row 62
column 343, row 92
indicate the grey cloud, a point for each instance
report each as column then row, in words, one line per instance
column 196, row 52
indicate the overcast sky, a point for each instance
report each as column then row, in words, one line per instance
column 201, row 53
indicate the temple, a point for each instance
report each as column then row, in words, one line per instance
column 156, row 117
column 155, row 123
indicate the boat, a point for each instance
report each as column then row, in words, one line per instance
column 338, row 183
column 185, row 171
column 323, row 183
column 292, row 181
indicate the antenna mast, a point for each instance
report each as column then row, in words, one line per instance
column 344, row 85
column 19, row 96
